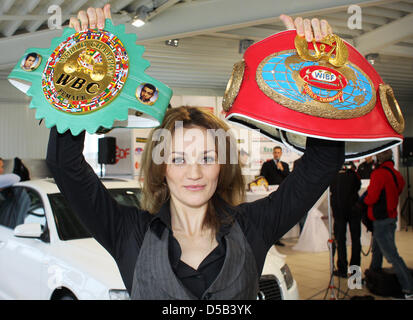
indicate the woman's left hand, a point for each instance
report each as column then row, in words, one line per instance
column 310, row 29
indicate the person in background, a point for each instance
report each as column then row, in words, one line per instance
column 8, row 179
column 366, row 168
column 275, row 171
column 344, row 195
column 386, row 185
column 12, row 200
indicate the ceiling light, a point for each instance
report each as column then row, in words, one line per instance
column 141, row 16
column 138, row 22
column 172, row 42
column 372, row 58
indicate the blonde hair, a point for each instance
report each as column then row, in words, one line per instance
column 230, row 186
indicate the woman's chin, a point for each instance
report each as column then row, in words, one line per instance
column 194, row 200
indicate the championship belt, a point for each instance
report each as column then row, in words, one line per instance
column 92, row 80
column 290, row 89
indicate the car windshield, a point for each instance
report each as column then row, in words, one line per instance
column 68, row 225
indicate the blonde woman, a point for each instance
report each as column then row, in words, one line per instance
column 192, row 238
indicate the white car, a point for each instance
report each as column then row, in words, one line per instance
column 46, row 253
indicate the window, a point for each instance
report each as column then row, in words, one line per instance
column 19, row 205
column 36, row 212
column 70, row 227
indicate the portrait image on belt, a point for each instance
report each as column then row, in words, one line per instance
column 31, row 61
column 147, row 93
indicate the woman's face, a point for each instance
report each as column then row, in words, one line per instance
column 192, row 169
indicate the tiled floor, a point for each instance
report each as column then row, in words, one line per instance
column 312, row 270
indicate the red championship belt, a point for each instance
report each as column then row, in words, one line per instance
column 290, row 89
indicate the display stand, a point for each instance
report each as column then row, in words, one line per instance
column 334, row 291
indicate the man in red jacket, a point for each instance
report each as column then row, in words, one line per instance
column 386, row 184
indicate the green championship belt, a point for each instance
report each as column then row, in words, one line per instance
column 92, row 80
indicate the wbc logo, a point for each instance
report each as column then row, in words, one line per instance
column 85, row 72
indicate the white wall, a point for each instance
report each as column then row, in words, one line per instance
column 20, row 134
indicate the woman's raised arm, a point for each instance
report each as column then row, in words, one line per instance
column 281, row 210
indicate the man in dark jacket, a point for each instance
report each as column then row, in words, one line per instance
column 386, row 185
column 275, row 170
column 344, row 195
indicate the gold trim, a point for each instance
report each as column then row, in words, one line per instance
column 338, row 59
column 233, row 85
column 312, row 107
column 391, row 108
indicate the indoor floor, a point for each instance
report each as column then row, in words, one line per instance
column 312, row 270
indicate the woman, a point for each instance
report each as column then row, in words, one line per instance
column 191, row 239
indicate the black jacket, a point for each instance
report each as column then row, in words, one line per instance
column 273, row 175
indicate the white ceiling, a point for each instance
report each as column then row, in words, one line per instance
column 210, row 30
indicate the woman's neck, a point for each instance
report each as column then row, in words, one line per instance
column 187, row 220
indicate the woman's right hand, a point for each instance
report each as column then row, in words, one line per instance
column 92, row 18
column 310, row 29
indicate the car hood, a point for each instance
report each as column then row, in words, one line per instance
column 88, row 257
column 273, row 262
